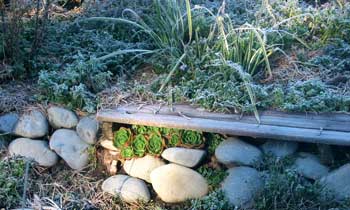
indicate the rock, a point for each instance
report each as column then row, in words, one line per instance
column 87, row 129
column 129, row 189
column 233, row 151
column 69, row 146
column 142, row 167
column 61, row 118
column 107, row 144
column 183, row 156
column 8, row 122
column 36, row 150
column 280, row 148
column 113, row 185
column 107, row 130
column 174, row 183
column 242, row 185
column 309, row 166
column 135, row 190
column 32, row 125
column 338, row 182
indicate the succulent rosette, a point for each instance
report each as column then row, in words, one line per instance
column 192, row 138
column 139, row 145
column 122, row 137
column 165, row 131
column 140, row 129
column 155, row 144
column 173, row 138
column 127, row 152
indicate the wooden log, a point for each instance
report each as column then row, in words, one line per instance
column 238, row 128
column 335, row 122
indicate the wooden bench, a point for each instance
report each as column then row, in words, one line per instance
column 331, row 128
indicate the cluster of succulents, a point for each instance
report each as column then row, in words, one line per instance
column 138, row 141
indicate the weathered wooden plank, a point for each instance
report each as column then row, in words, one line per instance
column 228, row 127
column 313, row 121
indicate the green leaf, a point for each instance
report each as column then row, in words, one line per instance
column 122, row 137
column 192, row 138
column 174, row 138
column 127, row 152
column 155, row 144
column 139, row 145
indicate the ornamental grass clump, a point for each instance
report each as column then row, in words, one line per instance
column 155, row 144
column 139, row 145
column 122, row 138
column 192, row 139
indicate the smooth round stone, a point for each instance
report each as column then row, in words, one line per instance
column 233, row 151
column 107, row 144
column 131, row 190
column 70, row 147
column 242, row 185
column 113, row 184
column 32, row 125
column 174, row 183
column 62, row 118
column 87, row 129
column 142, row 167
column 8, row 122
column 309, row 166
column 280, row 148
column 36, row 150
column 183, row 156
column 338, row 182
column 135, row 190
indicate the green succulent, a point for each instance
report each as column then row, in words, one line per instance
column 122, row 137
column 213, row 141
column 151, row 129
column 164, row 131
column 155, row 144
column 127, row 152
column 139, row 145
column 174, row 138
column 140, row 129
column 192, row 138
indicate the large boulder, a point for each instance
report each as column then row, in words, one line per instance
column 129, row 189
column 32, row 125
column 142, row 167
column 174, row 183
column 183, row 156
column 87, row 129
column 309, row 166
column 337, row 182
column 280, row 148
column 8, row 122
column 69, row 146
column 61, row 118
column 233, row 151
column 36, row 150
column 242, row 185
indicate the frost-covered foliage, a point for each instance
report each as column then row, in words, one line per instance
column 75, row 85
column 313, row 95
column 215, row 200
